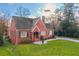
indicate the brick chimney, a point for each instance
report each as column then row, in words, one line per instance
column 43, row 18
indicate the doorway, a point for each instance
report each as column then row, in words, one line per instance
column 36, row 34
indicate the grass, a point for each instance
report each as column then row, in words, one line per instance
column 52, row 48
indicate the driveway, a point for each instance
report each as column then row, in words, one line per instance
column 66, row 38
column 57, row 38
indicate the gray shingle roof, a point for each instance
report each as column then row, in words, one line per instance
column 24, row 23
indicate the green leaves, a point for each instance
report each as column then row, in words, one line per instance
column 68, row 25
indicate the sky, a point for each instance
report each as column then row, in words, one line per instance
column 34, row 8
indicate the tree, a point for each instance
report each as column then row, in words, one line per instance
column 58, row 14
column 3, row 30
column 69, row 26
column 4, row 17
column 21, row 11
column 57, row 17
column 2, row 26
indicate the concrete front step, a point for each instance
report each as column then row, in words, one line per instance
column 40, row 42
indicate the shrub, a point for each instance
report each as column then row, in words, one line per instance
column 1, row 40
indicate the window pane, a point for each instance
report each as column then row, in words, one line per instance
column 23, row 34
column 43, row 33
column 50, row 33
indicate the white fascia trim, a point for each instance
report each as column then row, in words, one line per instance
column 35, row 27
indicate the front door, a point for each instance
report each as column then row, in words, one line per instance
column 36, row 36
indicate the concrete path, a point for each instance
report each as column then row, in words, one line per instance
column 57, row 38
column 69, row 39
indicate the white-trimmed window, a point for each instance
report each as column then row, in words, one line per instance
column 43, row 33
column 50, row 32
column 23, row 34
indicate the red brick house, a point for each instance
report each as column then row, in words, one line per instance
column 27, row 29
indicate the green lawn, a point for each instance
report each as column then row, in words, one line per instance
column 53, row 48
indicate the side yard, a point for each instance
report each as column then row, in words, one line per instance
column 52, row 48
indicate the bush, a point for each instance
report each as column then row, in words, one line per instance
column 1, row 40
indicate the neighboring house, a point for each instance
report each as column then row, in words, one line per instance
column 27, row 29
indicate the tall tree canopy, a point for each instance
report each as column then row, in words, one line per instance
column 69, row 26
column 21, row 11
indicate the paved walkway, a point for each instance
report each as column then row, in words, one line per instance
column 69, row 39
column 57, row 38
